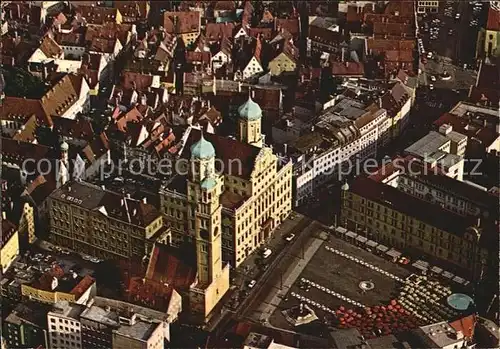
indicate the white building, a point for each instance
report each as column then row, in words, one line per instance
column 443, row 336
column 253, row 68
column 445, row 148
column 64, row 326
column 352, row 132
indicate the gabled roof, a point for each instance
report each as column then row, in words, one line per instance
column 50, row 48
column 217, row 31
column 291, row 25
column 65, row 91
column 171, row 266
column 493, row 22
column 132, row 11
column 98, row 14
column 116, row 206
column 79, row 128
column 347, row 68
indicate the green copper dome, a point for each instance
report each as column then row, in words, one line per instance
column 250, row 110
column 202, row 149
column 208, row 183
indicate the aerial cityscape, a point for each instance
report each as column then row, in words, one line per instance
column 250, row 174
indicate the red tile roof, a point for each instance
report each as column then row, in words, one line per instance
column 138, row 81
column 166, row 266
column 466, row 325
column 217, row 31
column 132, row 11
column 398, row 56
column 97, row 14
column 227, row 150
column 493, row 19
column 381, row 45
column 291, row 25
column 347, row 69
column 82, row 286
column 187, row 22
column 470, row 128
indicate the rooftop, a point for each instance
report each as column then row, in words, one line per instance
column 111, row 204
column 141, row 330
column 70, row 310
column 432, row 214
column 31, row 313
column 430, row 148
column 439, row 335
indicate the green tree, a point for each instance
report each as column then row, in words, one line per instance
column 21, row 83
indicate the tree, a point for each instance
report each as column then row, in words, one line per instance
column 21, row 83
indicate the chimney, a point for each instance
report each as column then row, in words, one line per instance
column 380, row 102
column 478, row 223
column 485, row 122
column 239, row 86
column 252, row 93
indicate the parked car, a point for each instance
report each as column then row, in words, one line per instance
column 252, row 283
column 289, row 237
column 433, row 78
column 267, row 252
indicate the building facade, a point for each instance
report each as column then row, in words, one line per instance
column 427, row 6
column 9, row 249
column 256, row 189
column 65, row 330
column 89, row 219
column 398, row 219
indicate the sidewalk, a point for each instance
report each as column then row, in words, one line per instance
column 281, row 288
column 249, row 270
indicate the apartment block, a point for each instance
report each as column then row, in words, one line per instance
column 395, row 218
column 445, row 148
column 347, row 130
column 108, row 323
column 90, row 219
column 26, row 326
column 65, row 330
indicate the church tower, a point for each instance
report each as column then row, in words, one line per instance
column 249, row 123
column 204, row 212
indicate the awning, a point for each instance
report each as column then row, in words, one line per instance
column 382, row 248
column 419, row 266
column 422, row 263
column 351, row 234
column 361, row 238
column 447, row 274
column 436, row 270
column 458, row 280
column 393, row 253
column 371, row 243
column 341, row 230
